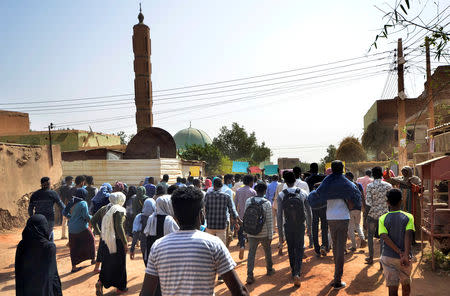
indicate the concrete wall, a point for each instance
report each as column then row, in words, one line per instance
column 21, row 168
column 130, row 171
column 14, row 122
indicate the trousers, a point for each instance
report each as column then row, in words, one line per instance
column 253, row 243
column 320, row 215
column 338, row 229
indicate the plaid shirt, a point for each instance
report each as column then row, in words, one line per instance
column 376, row 198
column 216, row 206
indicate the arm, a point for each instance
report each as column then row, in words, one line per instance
column 58, row 201
column 231, row 207
column 31, row 206
column 85, row 212
column 66, row 211
column 95, row 221
column 149, row 285
column 234, row 284
column 408, row 240
column 119, row 220
column 133, row 244
column 136, row 229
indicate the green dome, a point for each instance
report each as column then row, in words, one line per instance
column 190, row 136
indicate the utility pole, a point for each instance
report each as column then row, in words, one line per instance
column 50, row 127
column 402, row 153
column 429, row 90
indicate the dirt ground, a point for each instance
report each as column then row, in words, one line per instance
column 317, row 274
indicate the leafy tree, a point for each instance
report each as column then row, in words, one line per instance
column 124, row 137
column 378, row 138
column 213, row 157
column 350, row 150
column 397, row 19
column 237, row 144
column 331, row 155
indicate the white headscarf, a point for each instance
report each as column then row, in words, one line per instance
column 117, row 199
column 163, row 207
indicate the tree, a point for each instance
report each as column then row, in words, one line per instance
column 124, row 137
column 397, row 17
column 378, row 138
column 350, row 150
column 331, row 155
column 213, row 157
column 237, row 144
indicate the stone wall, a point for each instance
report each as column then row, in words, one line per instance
column 21, row 168
column 13, row 122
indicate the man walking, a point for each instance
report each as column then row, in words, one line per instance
column 242, row 194
column 164, row 181
column 270, row 195
column 150, row 187
column 355, row 218
column 65, row 192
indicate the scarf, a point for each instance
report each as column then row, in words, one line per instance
column 163, row 207
column 102, row 197
column 108, row 234
column 36, row 230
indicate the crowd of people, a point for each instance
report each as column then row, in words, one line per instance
column 184, row 230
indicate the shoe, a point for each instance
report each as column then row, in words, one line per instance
column 241, row 253
column 323, row 251
column 381, row 266
column 280, row 251
column 98, row 289
column 118, row 292
column 363, row 244
column 369, row 260
column 270, row 272
column 75, row 269
column 318, row 255
column 96, row 271
column 64, row 237
column 220, row 279
column 352, row 249
column 338, row 286
column 250, row 280
column 297, row 282
column 304, row 255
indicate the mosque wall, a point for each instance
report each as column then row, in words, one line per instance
column 21, row 168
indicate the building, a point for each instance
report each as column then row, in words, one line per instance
column 13, row 122
column 191, row 136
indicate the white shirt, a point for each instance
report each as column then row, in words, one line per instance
column 337, row 209
column 300, row 184
column 187, row 262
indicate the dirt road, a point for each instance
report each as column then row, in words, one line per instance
column 317, row 274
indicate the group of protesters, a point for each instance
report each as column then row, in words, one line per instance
column 184, row 230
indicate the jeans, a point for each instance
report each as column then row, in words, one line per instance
column 372, row 230
column 322, row 215
column 252, row 246
column 355, row 220
column 295, row 241
column 309, row 221
column 338, row 229
column 241, row 237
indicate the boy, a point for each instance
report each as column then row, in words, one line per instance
column 264, row 237
column 396, row 229
column 186, row 262
column 291, row 205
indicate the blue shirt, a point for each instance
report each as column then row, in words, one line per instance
column 79, row 218
column 271, row 189
column 150, row 190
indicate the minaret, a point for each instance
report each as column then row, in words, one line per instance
column 142, row 70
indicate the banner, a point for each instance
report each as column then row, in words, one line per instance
column 271, row 169
column 195, row 171
column 255, row 170
column 239, row 167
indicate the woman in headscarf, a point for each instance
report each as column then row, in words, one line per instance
column 119, row 187
column 208, row 184
column 138, row 200
column 102, row 197
column 35, row 264
column 160, row 191
column 113, row 272
column 405, row 182
column 81, row 239
column 139, row 224
column 129, row 207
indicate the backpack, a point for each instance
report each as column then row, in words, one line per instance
column 293, row 209
column 254, row 217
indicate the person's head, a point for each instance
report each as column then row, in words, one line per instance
column 141, row 191
column 261, row 188
column 368, row 173
column 248, row 180
column 165, row 178
column 172, row 188
column 151, row 180
column 119, row 187
column 283, row 175
column 337, row 167
column 377, row 172
column 190, row 179
column 407, row 172
column 117, row 198
column 228, row 179
column 197, row 183
column 349, row 175
column 36, row 229
column 68, row 180
column 80, row 180
column 208, row 184
column 148, row 207
column 274, row 178
column 179, row 179
column 314, row 168
column 217, row 183
column 160, row 190
column 237, row 178
column 187, row 203
column 45, row 183
column 394, row 198
column 81, row 193
column 90, row 180
column 289, row 178
column 183, row 181
column 297, row 172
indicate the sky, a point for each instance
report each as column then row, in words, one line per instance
column 54, row 53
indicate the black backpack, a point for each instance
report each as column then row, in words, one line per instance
column 254, row 217
column 293, row 209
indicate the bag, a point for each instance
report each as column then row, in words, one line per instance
column 254, row 217
column 293, row 209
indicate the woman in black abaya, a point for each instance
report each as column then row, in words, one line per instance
column 35, row 265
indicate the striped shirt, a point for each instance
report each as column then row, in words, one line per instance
column 187, row 261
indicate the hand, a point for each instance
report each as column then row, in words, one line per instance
column 131, row 256
column 404, row 259
column 239, row 221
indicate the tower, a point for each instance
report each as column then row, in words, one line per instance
column 142, row 71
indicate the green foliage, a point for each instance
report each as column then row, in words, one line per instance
column 124, row 137
column 378, row 138
column 442, row 260
column 214, row 158
column 350, row 150
column 237, row 144
column 331, row 155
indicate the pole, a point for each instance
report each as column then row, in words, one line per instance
column 402, row 153
column 429, row 90
column 50, row 142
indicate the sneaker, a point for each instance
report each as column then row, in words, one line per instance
column 297, row 282
column 338, row 286
column 241, row 253
column 250, row 280
column 119, row 292
column 369, row 260
column 318, row 254
column 280, row 251
column 323, row 251
column 352, row 249
column 270, row 272
column 363, row 244
column 98, row 289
